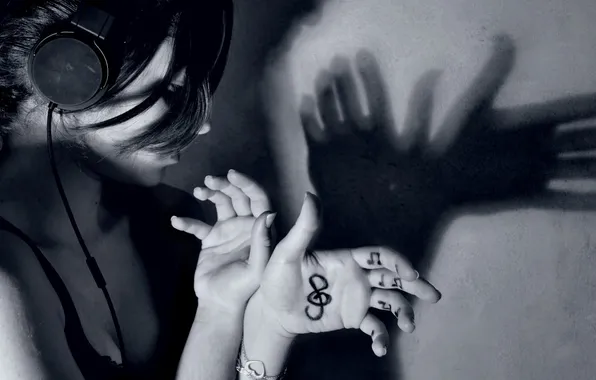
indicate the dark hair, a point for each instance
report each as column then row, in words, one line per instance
column 197, row 31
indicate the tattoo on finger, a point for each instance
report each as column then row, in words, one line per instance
column 397, row 283
column 382, row 281
column 374, row 259
column 385, row 305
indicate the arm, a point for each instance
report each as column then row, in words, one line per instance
column 212, row 346
column 262, row 342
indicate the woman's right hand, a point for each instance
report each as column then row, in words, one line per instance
column 303, row 292
column 230, row 265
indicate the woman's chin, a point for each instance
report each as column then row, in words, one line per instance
column 146, row 178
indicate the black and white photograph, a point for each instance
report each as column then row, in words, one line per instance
column 297, row 190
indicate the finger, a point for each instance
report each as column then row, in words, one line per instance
column 559, row 111
column 203, row 193
column 373, row 327
column 223, row 203
column 383, row 257
column 240, row 201
column 259, row 201
column 395, row 303
column 574, row 168
column 328, row 104
column 418, row 118
column 575, row 141
column 192, row 226
column 297, row 241
column 313, row 130
column 386, row 279
column 260, row 246
column 479, row 95
column 347, row 94
column 376, row 93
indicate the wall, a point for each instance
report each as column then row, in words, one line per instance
column 518, row 284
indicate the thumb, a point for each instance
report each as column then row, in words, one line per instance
column 260, row 244
column 297, row 241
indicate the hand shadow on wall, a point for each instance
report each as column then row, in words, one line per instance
column 381, row 187
column 238, row 139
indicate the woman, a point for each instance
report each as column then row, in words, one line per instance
column 145, row 323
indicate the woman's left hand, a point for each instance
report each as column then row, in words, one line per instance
column 229, row 270
column 304, row 292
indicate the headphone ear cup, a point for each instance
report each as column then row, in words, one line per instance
column 68, row 71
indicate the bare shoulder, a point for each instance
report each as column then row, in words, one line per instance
column 32, row 342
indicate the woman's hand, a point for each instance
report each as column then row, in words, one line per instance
column 311, row 292
column 229, row 270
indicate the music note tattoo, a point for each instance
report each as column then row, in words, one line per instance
column 382, row 282
column 397, row 283
column 385, row 305
column 375, row 259
column 317, row 297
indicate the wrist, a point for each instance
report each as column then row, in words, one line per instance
column 264, row 339
column 213, row 315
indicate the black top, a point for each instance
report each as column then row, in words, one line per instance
column 150, row 218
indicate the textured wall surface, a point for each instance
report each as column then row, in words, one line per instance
column 519, row 286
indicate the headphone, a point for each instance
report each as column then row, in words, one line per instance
column 73, row 66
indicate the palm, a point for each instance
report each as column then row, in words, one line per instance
column 330, row 282
column 222, row 266
column 388, row 187
column 229, row 235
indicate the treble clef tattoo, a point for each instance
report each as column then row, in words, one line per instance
column 317, row 297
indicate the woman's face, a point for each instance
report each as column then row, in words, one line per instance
column 102, row 154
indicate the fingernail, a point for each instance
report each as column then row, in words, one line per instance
column 231, row 171
column 417, row 274
column 384, row 352
column 208, row 178
column 175, row 222
column 269, row 219
column 317, row 201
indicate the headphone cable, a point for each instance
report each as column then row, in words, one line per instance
column 91, row 262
